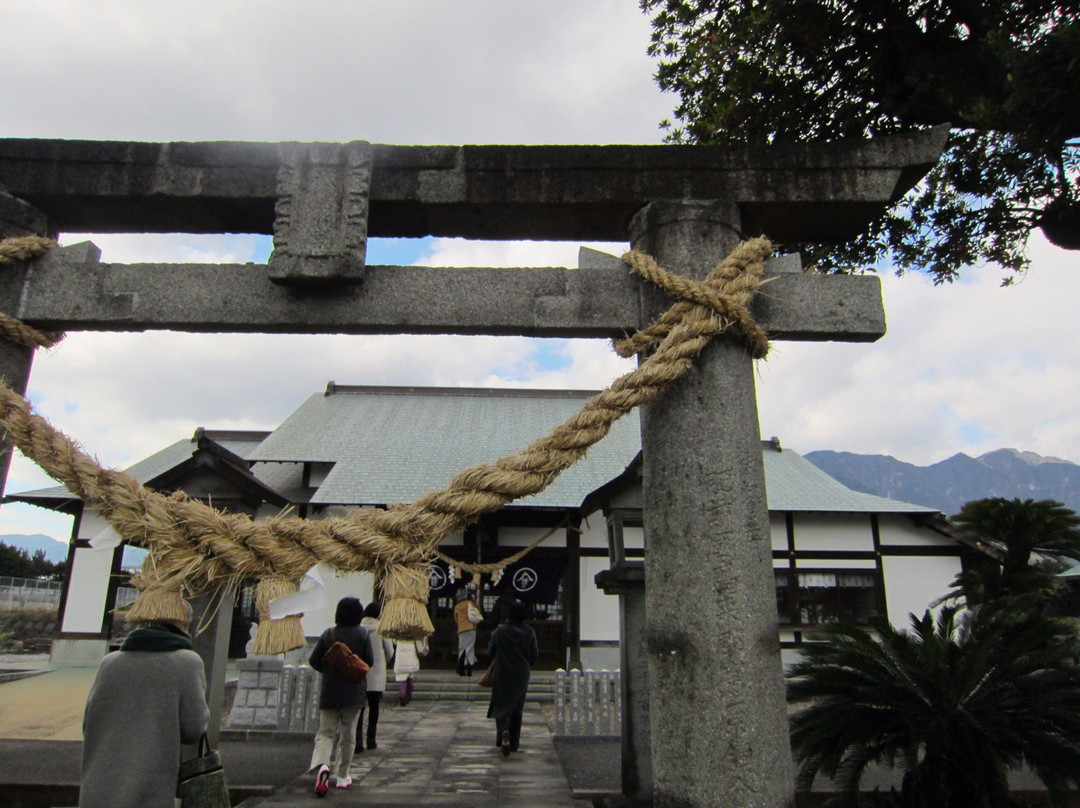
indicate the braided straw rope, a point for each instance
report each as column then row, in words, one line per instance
column 502, row 563
column 16, row 250
column 194, row 546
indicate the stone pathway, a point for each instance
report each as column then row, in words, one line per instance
column 444, row 754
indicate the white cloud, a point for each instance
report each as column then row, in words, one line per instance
column 427, row 71
column 969, row 367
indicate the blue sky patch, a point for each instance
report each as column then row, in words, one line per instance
column 974, row 434
column 401, row 252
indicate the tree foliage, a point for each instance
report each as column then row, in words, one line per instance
column 19, row 563
column 1004, row 73
column 1032, row 537
column 954, row 704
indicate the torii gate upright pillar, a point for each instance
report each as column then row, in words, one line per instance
column 17, row 218
column 718, row 718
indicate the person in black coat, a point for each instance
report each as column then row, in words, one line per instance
column 515, row 650
column 340, row 701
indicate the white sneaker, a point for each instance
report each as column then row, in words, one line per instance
column 322, row 780
column 343, row 782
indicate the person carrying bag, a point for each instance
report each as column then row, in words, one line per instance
column 340, row 700
column 147, row 700
column 202, row 783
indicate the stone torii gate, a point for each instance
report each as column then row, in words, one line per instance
column 718, row 717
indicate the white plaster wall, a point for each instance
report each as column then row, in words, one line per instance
column 901, row 530
column 594, row 530
column 453, row 540
column 837, row 532
column 524, row 536
column 633, row 538
column 87, row 590
column 599, row 612
column 778, row 531
column 600, row 659
column 358, row 584
column 913, row 583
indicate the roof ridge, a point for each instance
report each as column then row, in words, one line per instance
column 333, row 388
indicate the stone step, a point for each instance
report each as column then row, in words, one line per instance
column 447, row 685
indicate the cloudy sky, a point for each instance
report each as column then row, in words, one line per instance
column 964, row 368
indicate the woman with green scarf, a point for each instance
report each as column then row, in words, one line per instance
column 147, row 699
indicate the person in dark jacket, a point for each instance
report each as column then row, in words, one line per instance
column 147, row 699
column 500, row 612
column 515, row 650
column 340, row 701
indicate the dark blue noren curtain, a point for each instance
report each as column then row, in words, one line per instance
column 534, row 579
column 439, row 580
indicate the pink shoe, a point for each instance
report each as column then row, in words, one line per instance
column 343, row 782
column 322, row 781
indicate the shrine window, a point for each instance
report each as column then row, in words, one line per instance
column 821, row 597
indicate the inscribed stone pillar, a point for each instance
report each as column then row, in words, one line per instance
column 717, row 710
column 213, row 611
column 17, row 218
column 627, row 580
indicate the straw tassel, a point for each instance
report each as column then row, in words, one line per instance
column 404, row 611
column 276, row 636
column 157, row 600
column 158, row 603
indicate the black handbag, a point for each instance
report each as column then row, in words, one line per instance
column 201, row 783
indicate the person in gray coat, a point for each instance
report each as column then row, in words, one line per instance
column 147, row 699
column 515, row 650
column 340, row 701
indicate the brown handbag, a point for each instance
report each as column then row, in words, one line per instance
column 348, row 665
column 488, row 679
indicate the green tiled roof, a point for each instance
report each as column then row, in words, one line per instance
column 173, row 455
column 793, row 483
column 397, row 444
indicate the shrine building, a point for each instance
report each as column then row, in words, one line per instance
column 837, row 554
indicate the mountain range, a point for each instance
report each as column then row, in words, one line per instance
column 949, row 484
column 55, row 551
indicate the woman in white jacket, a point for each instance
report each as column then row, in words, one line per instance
column 407, row 655
column 382, row 650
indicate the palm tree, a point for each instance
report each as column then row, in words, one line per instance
column 1020, row 530
column 954, row 704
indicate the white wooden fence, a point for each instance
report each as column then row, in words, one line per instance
column 588, row 703
column 26, row 594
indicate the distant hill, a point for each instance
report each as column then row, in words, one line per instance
column 959, row 479
column 55, row 551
